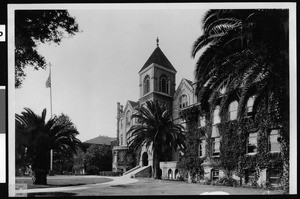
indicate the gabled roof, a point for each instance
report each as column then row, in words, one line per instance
column 189, row 81
column 158, row 57
column 183, row 81
column 100, row 140
column 133, row 104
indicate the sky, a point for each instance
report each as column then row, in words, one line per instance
column 98, row 67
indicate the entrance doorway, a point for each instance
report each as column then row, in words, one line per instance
column 145, row 159
column 170, row 174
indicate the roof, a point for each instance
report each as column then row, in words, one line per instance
column 189, row 81
column 100, row 140
column 133, row 104
column 158, row 57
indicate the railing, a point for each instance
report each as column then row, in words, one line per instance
column 133, row 169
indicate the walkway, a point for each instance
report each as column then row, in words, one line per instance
column 125, row 185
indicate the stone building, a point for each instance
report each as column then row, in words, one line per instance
column 157, row 79
column 157, row 82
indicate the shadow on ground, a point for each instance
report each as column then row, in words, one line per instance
column 55, row 185
column 51, row 194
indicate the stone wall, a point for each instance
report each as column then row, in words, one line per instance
column 146, row 173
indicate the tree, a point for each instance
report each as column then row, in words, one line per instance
column 39, row 137
column 78, row 160
column 63, row 161
column 157, row 129
column 246, row 53
column 38, row 26
column 98, row 158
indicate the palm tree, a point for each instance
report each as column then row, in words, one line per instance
column 38, row 137
column 245, row 52
column 240, row 47
column 156, row 128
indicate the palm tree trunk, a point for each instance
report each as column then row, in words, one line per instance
column 156, row 159
column 40, row 167
column 40, row 177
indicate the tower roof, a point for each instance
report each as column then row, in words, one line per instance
column 158, row 57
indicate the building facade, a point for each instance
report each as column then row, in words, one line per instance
column 157, row 82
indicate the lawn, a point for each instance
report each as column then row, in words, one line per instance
column 149, row 186
column 145, row 186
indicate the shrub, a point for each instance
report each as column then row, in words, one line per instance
column 267, row 185
column 205, row 181
column 110, row 173
column 227, row 181
column 51, row 173
column 98, row 158
column 180, row 178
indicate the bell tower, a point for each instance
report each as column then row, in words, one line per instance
column 157, row 78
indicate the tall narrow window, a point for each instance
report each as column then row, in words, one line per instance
column 121, row 139
column 121, row 124
column 252, row 143
column 233, row 107
column 183, row 101
column 215, row 141
column 128, row 118
column 163, row 84
column 146, row 85
column 201, row 121
column 216, row 146
column 274, row 145
column 216, row 116
column 201, row 148
column 250, row 103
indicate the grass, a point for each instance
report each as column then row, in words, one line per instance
column 145, row 186
column 149, row 186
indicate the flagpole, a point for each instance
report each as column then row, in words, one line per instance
column 51, row 151
column 50, row 93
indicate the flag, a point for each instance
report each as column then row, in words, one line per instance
column 48, row 82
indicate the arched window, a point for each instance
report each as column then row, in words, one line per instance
column 128, row 118
column 183, row 101
column 233, row 107
column 163, row 84
column 216, row 116
column 146, row 84
column 250, row 103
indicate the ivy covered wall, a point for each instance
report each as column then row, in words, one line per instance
column 233, row 158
